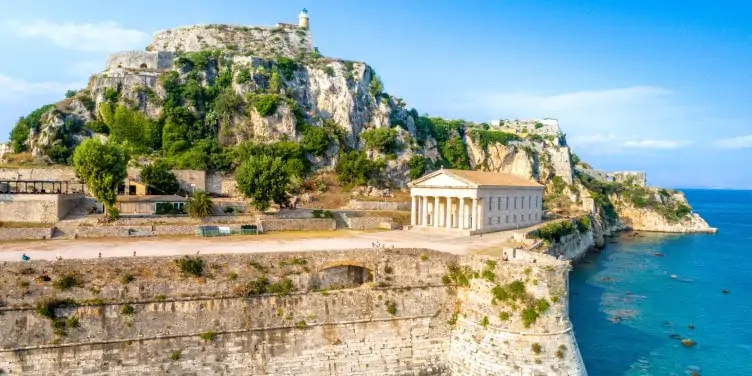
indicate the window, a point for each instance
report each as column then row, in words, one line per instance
column 529, row 201
column 498, row 207
column 498, row 220
column 507, row 203
column 529, row 217
column 514, row 218
column 515, row 202
column 536, row 216
column 489, row 203
column 536, row 202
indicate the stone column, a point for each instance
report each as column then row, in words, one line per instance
column 474, row 213
column 461, row 210
column 448, row 220
column 414, row 211
column 424, row 211
column 435, row 216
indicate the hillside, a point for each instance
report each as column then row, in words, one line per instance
column 209, row 97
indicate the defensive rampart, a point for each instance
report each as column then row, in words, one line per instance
column 365, row 312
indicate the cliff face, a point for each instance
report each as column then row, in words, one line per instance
column 203, row 90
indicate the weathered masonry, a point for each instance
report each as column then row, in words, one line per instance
column 356, row 312
column 475, row 201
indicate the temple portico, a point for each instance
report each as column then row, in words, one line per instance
column 474, row 201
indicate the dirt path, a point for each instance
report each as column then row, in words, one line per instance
column 187, row 245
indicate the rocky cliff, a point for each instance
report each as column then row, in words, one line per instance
column 200, row 96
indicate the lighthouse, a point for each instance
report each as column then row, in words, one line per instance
column 303, row 19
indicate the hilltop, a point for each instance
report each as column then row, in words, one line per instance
column 209, row 96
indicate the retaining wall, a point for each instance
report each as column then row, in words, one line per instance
column 378, row 205
column 313, row 224
column 7, row 234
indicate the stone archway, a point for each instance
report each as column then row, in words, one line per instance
column 343, row 276
column 143, row 66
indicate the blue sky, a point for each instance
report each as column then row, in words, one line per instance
column 661, row 86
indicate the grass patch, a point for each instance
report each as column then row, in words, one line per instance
column 175, row 356
column 208, row 336
column 191, row 266
column 67, row 281
column 391, row 307
column 127, row 310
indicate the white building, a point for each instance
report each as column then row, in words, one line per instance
column 453, row 199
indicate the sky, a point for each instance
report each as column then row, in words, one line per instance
column 658, row 86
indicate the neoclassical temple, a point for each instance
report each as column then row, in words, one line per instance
column 475, row 201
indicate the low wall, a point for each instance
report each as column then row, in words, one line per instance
column 7, row 234
column 37, row 208
column 313, row 224
column 378, row 205
column 368, row 223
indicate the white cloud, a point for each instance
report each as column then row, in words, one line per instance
column 657, row 144
column 87, row 37
column 619, row 118
column 15, row 88
column 740, row 142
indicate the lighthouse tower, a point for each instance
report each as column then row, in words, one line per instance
column 303, row 19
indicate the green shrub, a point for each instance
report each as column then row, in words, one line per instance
column 175, row 356
column 329, row 71
column 417, row 164
column 553, row 232
column 355, row 168
column 484, row 137
column 265, row 104
column 127, row 278
column 72, row 322
column 191, row 265
column 536, row 347
column 459, row 275
column 127, row 310
column 542, row 306
column 47, row 307
column 583, row 224
column 301, row 324
column 529, row 316
column 380, row 139
column 232, row 276
column 244, row 76
column 208, row 336
column 504, row 316
column 58, row 327
column 315, row 140
column 67, row 281
column 228, row 209
column 98, row 126
column 391, row 307
column 484, row 321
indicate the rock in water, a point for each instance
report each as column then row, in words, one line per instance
column 687, row 342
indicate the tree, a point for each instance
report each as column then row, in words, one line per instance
column 159, row 178
column 354, row 168
column 263, row 179
column 199, row 205
column 102, row 168
column 417, row 164
column 70, row 93
column 381, row 139
column 315, row 140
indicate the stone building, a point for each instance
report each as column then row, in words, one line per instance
column 475, row 201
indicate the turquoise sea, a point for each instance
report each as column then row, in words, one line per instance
column 628, row 300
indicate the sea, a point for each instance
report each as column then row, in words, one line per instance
column 633, row 302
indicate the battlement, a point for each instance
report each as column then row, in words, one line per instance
column 140, row 60
column 545, row 126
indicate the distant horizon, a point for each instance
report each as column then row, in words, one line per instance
column 659, row 87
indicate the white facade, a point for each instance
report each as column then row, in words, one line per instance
column 475, row 201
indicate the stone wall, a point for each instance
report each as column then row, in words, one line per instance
column 312, row 224
column 218, row 183
column 140, row 60
column 635, row 177
column 188, row 177
column 385, row 312
column 37, row 208
column 7, row 234
column 39, row 173
column 378, row 205
column 368, row 223
column 544, row 127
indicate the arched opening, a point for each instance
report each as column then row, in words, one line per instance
column 343, row 276
column 143, row 66
column 120, row 65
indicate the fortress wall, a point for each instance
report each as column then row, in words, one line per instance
column 140, row 59
column 208, row 325
column 39, row 173
column 377, row 205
